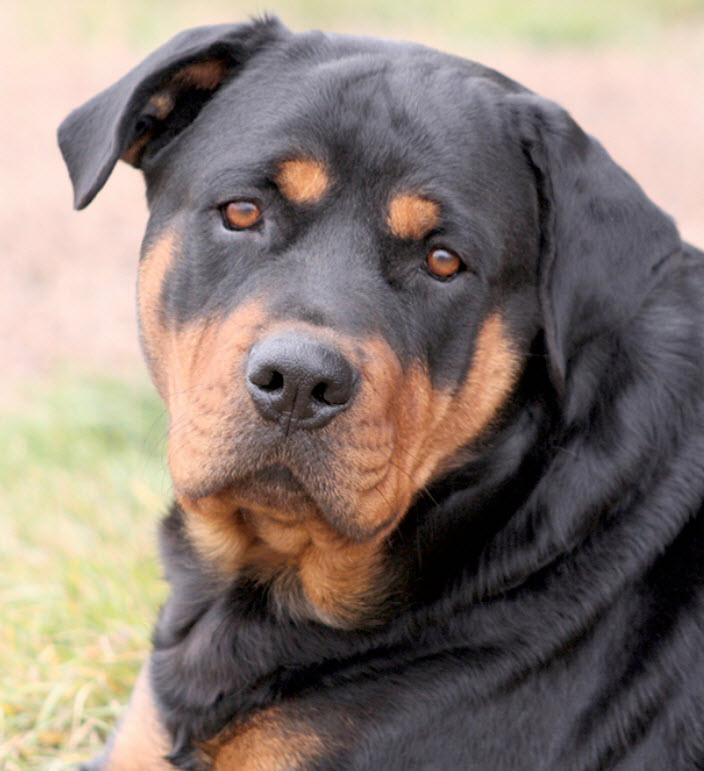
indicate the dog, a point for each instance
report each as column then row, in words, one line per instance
column 434, row 369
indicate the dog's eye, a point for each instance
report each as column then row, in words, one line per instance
column 442, row 263
column 240, row 215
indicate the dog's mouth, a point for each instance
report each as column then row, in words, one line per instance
column 287, row 495
column 278, row 477
column 273, row 526
column 357, row 472
column 274, row 490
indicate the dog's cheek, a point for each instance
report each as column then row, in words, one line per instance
column 384, row 436
column 468, row 412
column 197, row 368
column 206, row 394
column 399, row 429
column 366, row 436
column 156, row 260
column 430, row 425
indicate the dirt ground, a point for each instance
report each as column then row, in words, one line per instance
column 67, row 284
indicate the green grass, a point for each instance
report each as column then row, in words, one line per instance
column 83, row 481
column 145, row 23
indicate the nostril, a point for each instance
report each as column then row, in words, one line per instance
column 275, row 382
column 335, row 391
column 328, row 393
column 318, row 393
column 266, row 378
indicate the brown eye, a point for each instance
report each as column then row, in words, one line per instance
column 442, row 263
column 240, row 215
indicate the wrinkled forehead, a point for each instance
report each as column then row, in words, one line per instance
column 397, row 115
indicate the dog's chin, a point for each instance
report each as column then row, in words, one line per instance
column 275, row 493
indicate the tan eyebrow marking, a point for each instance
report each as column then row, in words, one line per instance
column 412, row 216
column 303, row 180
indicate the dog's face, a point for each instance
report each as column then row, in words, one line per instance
column 323, row 293
column 323, row 296
column 338, row 288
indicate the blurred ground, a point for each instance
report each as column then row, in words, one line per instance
column 67, row 287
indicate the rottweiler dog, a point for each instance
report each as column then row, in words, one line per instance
column 434, row 368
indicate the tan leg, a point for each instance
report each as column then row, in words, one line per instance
column 272, row 740
column 140, row 741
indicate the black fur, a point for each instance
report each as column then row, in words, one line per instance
column 550, row 611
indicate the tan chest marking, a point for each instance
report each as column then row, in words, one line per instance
column 268, row 742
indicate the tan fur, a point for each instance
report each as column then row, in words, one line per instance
column 412, row 216
column 140, row 742
column 133, row 153
column 202, row 389
column 456, row 419
column 426, row 427
column 346, row 582
column 163, row 103
column 152, row 271
column 302, row 180
column 339, row 577
column 218, row 534
column 270, row 741
column 396, row 447
column 397, row 435
column 206, row 75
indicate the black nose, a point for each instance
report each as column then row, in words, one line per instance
column 298, row 381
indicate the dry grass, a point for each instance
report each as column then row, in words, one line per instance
column 83, row 480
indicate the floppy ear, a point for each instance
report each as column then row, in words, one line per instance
column 603, row 239
column 146, row 108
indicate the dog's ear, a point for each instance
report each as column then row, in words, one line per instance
column 603, row 240
column 147, row 107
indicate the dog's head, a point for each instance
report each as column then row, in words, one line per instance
column 353, row 248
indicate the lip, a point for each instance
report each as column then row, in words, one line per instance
column 273, row 491
column 277, row 476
